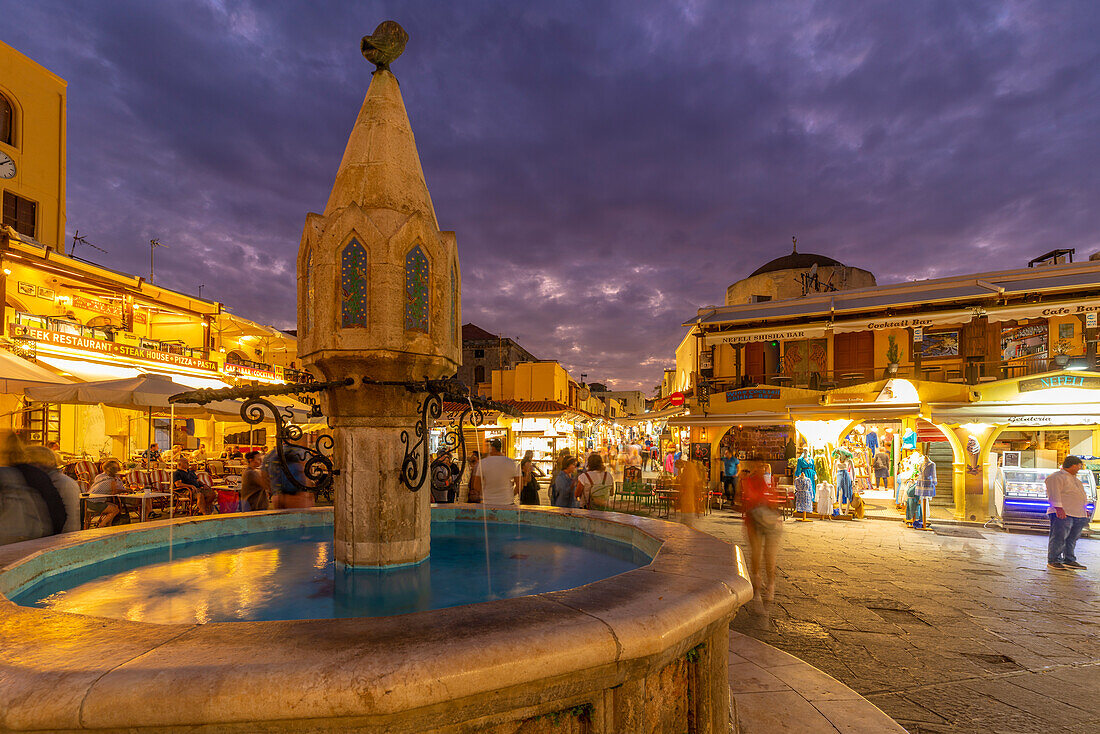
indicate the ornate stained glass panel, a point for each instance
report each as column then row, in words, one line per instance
column 454, row 302
column 416, row 290
column 353, row 285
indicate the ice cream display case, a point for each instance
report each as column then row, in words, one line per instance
column 1025, row 502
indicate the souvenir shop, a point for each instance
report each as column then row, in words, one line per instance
column 878, row 468
column 774, row 444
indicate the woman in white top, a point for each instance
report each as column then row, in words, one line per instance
column 595, row 485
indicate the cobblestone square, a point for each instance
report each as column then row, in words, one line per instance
column 943, row 633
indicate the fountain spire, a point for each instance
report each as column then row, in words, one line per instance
column 379, row 296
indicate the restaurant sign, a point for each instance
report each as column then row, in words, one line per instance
column 1045, row 383
column 57, row 339
column 242, row 370
column 755, row 393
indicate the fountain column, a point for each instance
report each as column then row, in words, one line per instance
column 379, row 298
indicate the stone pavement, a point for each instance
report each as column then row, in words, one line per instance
column 966, row 632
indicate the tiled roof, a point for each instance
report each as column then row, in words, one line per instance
column 472, row 332
column 542, row 407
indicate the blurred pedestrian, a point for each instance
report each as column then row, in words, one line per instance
column 529, row 488
column 500, row 477
column 290, row 489
column 473, row 492
column 595, row 485
column 30, row 505
column 563, row 490
column 48, row 461
column 730, row 469
column 689, row 485
column 1068, row 515
column 444, row 475
column 763, row 527
column 255, row 492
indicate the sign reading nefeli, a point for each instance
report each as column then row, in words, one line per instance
column 1045, row 383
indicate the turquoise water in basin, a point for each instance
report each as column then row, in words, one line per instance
column 291, row 574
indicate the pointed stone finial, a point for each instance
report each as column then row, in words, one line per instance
column 794, row 245
column 382, row 47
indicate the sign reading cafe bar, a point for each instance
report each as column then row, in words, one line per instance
column 99, row 346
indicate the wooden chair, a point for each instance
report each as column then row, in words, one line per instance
column 84, row 469
column 216, row 467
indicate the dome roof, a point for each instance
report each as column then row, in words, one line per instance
column 796, row 261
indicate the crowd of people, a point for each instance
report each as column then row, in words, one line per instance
column 38, row 499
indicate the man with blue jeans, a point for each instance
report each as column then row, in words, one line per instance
column 729, row 474
column 1067, row 513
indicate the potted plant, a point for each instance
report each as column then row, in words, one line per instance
column 1060, row 349
column 893, row 355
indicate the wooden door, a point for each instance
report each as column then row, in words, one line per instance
column 755, row 365
column 854, row 352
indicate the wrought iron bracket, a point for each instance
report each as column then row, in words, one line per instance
column 416, row 464
column 317, row 467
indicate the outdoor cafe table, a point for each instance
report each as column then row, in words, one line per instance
column 123, row 499
column 235, row 468
column 665, row 499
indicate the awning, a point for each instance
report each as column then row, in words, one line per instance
column 806, row 331
column 1042, row 310
column 756, row 418
column 855, row 411
column 1018, row 414
column 17, row 373
column 940, row 318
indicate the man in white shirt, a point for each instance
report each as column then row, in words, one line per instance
column 1067, row 513
column 500, row 477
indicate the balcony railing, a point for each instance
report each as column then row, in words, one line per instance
column 962, row 372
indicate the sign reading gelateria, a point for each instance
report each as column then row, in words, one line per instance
column 1045, row 383
column 1053, row 420
column 98, row 346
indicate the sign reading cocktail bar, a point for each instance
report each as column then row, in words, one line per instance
column 1045, row 383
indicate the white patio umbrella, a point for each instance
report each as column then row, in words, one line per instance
column 146, row 391
column 17, row 373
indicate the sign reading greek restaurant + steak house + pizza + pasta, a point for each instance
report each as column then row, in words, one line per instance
column 58, row 339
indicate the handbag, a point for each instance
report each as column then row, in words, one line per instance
column 765, row 519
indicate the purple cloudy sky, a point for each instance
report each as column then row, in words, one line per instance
column 608, row 167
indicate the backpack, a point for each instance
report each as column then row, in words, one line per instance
column 598, row 495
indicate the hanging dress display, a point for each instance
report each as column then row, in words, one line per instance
column 909, row 440
column 804, row 467
column 872, row 442
column 803, row 501
column 825, row 498
column 926, row 482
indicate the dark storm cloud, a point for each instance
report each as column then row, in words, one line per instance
column 608, row 167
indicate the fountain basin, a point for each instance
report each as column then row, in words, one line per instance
column 645, row 649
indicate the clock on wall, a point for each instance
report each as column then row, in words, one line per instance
column 7, row 166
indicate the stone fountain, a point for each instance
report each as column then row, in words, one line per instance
column 379, row 318
column 378, row 301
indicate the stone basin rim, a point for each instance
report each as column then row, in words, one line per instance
column 62, row 675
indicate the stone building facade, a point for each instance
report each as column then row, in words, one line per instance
column 483, row 352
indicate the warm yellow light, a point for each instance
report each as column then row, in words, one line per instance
column 819, row 433
column 976, row 429
column 7, row 271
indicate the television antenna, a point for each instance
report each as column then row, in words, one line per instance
column 153, row 245
column 78, row 239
